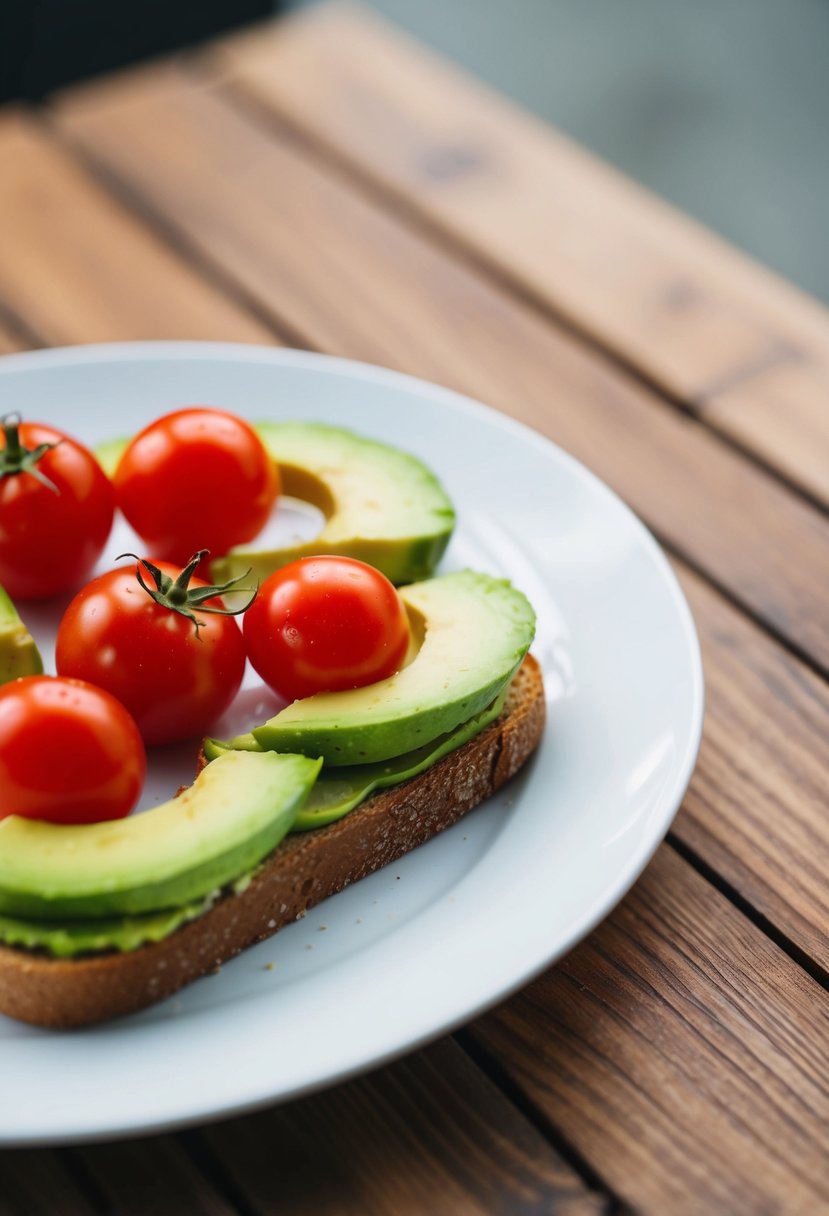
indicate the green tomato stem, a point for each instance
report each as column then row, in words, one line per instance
column 176, row 595
column 15, row 458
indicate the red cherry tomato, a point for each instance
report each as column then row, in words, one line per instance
column 196, row 478
column 50, row 535
column 174, row 679
column 69, row 753
column 326, row 624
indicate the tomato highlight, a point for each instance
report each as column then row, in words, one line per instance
column 160, row 641
column 69, row 753
column 56, row 507
column 325, row 624
column 196, row 478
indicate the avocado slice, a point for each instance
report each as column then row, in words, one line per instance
column 19, row 656
column 233, row 815
column 381, row 505
column 109, row 453
column 65, row 939
column 336, row 792
column 476, row 631
column 340, row 790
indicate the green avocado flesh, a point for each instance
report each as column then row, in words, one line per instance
column 381, row 505
column 476, row 631
column 233, row 815
column 109, row 453
column 335, row 793
column 339, row 790
column 19, row 656
column 117, row 885
column 63, row 939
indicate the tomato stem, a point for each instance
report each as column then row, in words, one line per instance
column 15, row 458
column 177, row 595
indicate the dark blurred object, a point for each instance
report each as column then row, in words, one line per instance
column 48, row 43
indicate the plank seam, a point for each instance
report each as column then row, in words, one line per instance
column 782, row 353
column 84, row 1179
column 172, row 237
column 20, row 328
column 760, row 921
column 267, row 116
column 491, row 1067
column 676, row 991
column 194, row 1145
column 766, row 627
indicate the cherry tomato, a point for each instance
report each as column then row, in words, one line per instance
column 325, row 624
column 55, row 510
column 196, row 477
column 175, row 675
column 69, row 752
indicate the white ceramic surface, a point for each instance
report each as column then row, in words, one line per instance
column 454, row 927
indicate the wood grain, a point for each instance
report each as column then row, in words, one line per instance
column 777, row 414
column 157, row 1176
column 10, row 338
column 429, row 1134
column 685, row 308
column 35, row 1182
column 355, row 280
column 80, row 268
column 756, row 808
column 683, row 1052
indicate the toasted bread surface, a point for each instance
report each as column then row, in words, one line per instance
column 305, row 869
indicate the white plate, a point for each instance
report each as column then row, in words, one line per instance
column 454, row 927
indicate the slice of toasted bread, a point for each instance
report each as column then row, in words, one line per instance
column 302, row 871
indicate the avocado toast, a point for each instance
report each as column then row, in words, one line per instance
column 105, row 919
column 303, row 870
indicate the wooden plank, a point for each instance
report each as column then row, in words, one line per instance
column 10, row 338
column 356, row 280
column 686, row 1056
column 35, row 1182
column 680, row 967
column 80, row 268
column 756, row 808
column 140, row 1176
column 775, row 415
column 429, row 1134
column 689, row 311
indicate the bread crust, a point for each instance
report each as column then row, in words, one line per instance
column 305, row 869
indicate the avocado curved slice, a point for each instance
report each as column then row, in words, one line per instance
column 381, row 505
column 335, row 793
column 19, row 655
column 476, row 631
column 340, row 790
column 235, row 813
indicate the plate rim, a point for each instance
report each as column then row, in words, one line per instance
column 671, row 798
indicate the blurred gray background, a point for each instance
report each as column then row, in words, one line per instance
column 721, row 106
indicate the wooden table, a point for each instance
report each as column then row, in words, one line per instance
column 325, row 183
